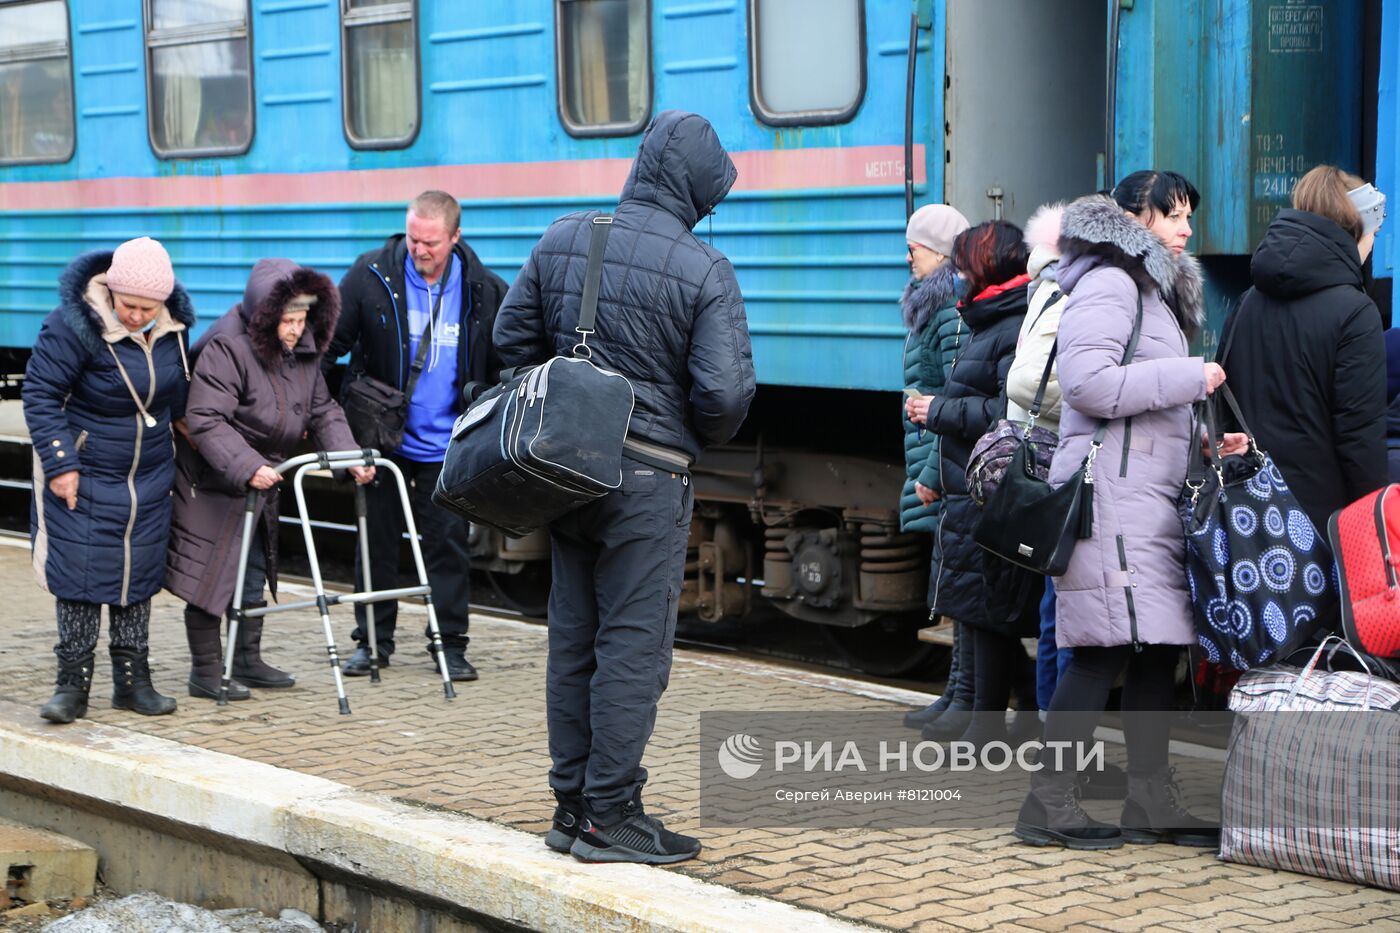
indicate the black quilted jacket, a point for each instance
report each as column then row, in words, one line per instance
column 670, row 316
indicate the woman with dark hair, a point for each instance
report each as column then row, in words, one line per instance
column 1123, row 601
column 991, row 257
column 257, row 391
column 1305, row 350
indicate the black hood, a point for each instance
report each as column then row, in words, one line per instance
column 680, row 167
column 984, row 312
column 1304, row 253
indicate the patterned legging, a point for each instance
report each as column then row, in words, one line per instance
column 78, row 623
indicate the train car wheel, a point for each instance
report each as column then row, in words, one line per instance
column 526, row 592
column 887, row 647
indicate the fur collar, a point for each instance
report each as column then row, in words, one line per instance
column 89, row 323
column 923, row 298
column 271, row 285
column 1095, row 231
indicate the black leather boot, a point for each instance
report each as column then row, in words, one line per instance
column 1052, row 816
column 953, row 721
column 70, row 698
column 207, row 657
column 131, row 684
column 917, row 719
column 248, row 665
column 1153, row 813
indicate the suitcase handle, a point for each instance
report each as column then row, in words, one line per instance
column 1317, row 655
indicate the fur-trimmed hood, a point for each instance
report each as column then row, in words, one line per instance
column 923, row 298
column 1043, row 240
column 1095, row 231
column 86, row 321
column 273, row 283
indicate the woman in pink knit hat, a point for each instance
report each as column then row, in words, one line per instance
column 108, row 376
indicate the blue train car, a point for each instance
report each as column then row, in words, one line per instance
column 237, row 129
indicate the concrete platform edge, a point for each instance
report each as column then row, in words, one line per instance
column 490, row 869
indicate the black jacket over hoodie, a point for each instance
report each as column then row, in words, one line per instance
column 670, row 316
column 1305, row 356
column 374, row 319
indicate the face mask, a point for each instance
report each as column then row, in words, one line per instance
column 149, row 324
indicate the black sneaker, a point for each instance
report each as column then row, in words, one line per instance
column 632, row 837
column 567, row 814
column 358, row 664
column 458, row 667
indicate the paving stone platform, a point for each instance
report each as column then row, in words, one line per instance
column 485, row 754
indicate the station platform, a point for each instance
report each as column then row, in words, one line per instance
column 462, row 783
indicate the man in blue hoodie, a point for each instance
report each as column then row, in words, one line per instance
column 425, row 283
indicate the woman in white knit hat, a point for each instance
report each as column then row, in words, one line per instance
column 108, row 376
column 935, row 329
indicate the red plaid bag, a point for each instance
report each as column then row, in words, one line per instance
column 1366, row 541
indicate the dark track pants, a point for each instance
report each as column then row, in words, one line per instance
column 618, row 564
column 446, row 555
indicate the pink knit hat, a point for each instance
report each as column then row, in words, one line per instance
column 141, row 267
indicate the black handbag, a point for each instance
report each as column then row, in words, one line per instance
column 1030, row 523
column 376, row 411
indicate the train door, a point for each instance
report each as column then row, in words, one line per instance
column 1024, row 104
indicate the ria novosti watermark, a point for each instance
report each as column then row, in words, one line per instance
column 864, row 769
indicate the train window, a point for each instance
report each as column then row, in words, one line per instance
column 806, row 60
column 199, row 77
column 603, row 56
column 381, row 98
column 36, row 83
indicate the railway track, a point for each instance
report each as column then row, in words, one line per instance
column 768, row 638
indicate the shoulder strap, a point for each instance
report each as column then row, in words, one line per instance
column 1231, row 325
column 1128, row 353
column 426, row 340
column 1050, row 361
column 588, row 307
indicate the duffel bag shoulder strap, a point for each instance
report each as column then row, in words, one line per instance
column 588, row 307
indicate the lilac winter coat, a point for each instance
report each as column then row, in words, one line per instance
column 1126, row 584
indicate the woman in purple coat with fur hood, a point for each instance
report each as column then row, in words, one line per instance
column 257, row 389
column 1123, row 602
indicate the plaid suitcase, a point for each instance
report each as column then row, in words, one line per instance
column 1366, row 541
column 1312, row 775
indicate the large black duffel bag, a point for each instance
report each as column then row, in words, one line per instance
column 543, row 445
column 545, row 442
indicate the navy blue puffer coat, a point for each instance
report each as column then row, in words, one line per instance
column 670, row 316
column 82, row 416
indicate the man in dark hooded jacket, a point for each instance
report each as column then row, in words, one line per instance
column 670, row 319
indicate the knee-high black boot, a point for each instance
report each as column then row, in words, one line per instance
column 954, row 720
column 248, row 665
column 131, row 684
column 206, row 656
column 917, row 719
column 70, row 698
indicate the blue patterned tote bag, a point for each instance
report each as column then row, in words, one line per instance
column 1261, row 577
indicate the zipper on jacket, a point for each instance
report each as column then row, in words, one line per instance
column 1128, row 593
column 81, row 442
column 1127, row 444
column 938, row 577
column 393, row 301
column 140, row 340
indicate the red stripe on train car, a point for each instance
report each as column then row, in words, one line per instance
column 836, row 167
